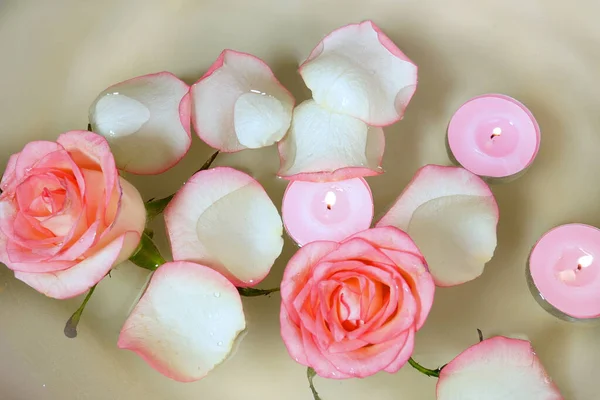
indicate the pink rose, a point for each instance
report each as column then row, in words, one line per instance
column 66, row 217
column 351, row 309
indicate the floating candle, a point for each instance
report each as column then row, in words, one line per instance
column 326, row 210
column 564, row 272
column 493, row 136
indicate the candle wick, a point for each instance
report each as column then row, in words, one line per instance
column 329, row 206
column 579, row 267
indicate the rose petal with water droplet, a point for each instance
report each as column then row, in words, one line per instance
column 223, row 218
column 146, row 120
column 497, row 368
column 174, row 334
column 240, row 104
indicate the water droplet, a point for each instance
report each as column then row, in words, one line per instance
column 211, row 333
column 352, row 371
column 217, row 294
column 297, row 360
column 251, row 281
column 210, row 315
column 219, row 343
column 333, row 374
column 44, row 385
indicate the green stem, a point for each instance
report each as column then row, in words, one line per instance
column 251, row 292
column 147, row 255
column 426, row 371
column 156, row 207
column 310, row 374
column 71, row 325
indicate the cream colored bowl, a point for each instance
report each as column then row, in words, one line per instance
column 55, row 56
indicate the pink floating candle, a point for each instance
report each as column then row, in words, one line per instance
column 493, row 136
column 326, row 210
column 564, row 272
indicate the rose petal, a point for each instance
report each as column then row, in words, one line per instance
column 318, row 361
column 61, row 165
column 404, row 355
column 292, row 337
column 497, row 368
column 457, row 235
column 357, row 70
column 431, row 182
column 130, row 216
column 146, row 121
column 353, row 249
column 401, row 249
column 185, row 336
column 306, row 314
column 79, row 278
column 402, row 320
column 91, row 151
column 369, row 360
column 452, row 216
column 34, row 195
column 240, row 104
column 30, row 155
column 324, row 146
column 223, row 218
column 417, row 276
column 8, row 178
column 297, row 271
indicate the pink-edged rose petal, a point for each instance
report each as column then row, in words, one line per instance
column 9, row 172
column 223, row 218
column 497, row 368
column 358, row 71
column 186, row 323
column 452, row 216
column 146, row 120
column 326, row 146
column 79, row 278
column 240, row 104
column 414, row 269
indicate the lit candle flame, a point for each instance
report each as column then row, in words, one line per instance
column 330, row 199
column 497, row 131
column 585, row 261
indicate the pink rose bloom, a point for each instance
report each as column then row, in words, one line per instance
column 351, row 309
column 66, row 217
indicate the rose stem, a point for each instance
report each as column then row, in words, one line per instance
column 251, row 292
column 156, row 207
column 310, row 374
column 71, row 325
column 435, row 372
column 426, row 371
